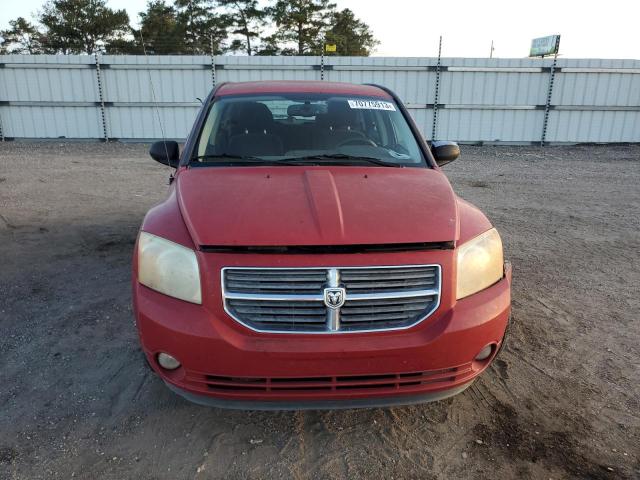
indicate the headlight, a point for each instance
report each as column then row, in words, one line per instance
column 168, row 268
column 480, row 263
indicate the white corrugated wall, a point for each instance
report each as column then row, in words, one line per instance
column 479, row 100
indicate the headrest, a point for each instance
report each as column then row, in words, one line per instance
column 340, row 114
column 252, row 116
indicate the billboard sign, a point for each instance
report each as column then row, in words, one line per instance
column 544, row 46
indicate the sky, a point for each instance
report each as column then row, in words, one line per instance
column 411, row 28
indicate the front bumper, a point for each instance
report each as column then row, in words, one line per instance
column 226, row 365
column 327, row 404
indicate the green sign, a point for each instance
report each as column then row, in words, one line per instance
column 544, row 46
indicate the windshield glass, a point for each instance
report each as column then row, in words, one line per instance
column 306, row 129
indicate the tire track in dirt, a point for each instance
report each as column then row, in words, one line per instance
column 319, row 447
column 299, row 467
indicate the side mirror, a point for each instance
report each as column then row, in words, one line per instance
column 166, row 152
column 445, row 152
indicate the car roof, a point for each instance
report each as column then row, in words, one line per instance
column 299, row 86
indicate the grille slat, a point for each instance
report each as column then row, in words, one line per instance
column 394, row 276
column 291, row 300
column 278, row 305
column 281, row 311
column 283, row 319
column 388, row 301
column 367, row 309
column 375, row 318
column 266, row 386
column 388, row 284
column 283, row 278
column 255, row 286
column 377, row 271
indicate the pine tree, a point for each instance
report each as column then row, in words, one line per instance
column 21, row 37
column 302, row 23
column 201, row 26
column 160, row 30
column 351, row 36
column 247, row 19
column 81, row 26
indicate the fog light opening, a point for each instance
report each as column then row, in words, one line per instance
column 167, row 362
column 484, row 353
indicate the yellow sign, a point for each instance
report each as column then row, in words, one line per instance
column 330, row 47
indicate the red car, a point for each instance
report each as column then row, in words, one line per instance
column 312, row 254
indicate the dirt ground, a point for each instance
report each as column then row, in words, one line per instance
column 562, row 401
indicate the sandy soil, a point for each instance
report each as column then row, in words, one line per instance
column 562, row 400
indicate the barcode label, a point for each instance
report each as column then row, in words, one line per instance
column 372, row 105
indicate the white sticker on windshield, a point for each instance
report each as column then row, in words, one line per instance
column 372, row 105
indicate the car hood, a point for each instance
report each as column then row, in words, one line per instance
column 298, row 206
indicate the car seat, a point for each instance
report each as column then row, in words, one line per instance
column 340, row 124
column 253, row 131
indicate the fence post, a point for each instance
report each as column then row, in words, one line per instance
column 1, row 130
column 547, row 106
column 101, row 96
column 213, row 63
column 437, row 95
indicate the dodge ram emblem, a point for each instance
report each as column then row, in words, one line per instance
column 334, row 297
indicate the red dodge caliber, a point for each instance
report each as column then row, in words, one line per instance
column 312, row 254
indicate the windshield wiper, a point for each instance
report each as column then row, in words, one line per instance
column 311, row 159
column 349, row 159
column 226, row 159
column 224, row 156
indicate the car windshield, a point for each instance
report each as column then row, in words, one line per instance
column 306, row 129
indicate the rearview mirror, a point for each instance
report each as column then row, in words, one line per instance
column 166, row 152
column 306, row 109
column 445, row 152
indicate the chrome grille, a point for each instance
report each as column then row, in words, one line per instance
column 292, row 300
column 274, row 281
column 371, row 280
column 289, row 316
column 391, row 312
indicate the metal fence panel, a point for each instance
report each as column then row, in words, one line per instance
column 412, row 79
column 479, row 100
column 51, row 122
column 175, row 122
column 135, row 85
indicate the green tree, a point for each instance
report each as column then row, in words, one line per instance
column 123, row 46
column 352, row 36
column 160, row 30
column 201, row 26
column 301, row 23
column 269, row 46
column 21, row 37
column 82, row 26
column 247, row 20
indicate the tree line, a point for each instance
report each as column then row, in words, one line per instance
column 191, row 27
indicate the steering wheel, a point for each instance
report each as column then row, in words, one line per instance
column 358, row 141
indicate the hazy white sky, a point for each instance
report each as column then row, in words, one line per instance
column 589, row 28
